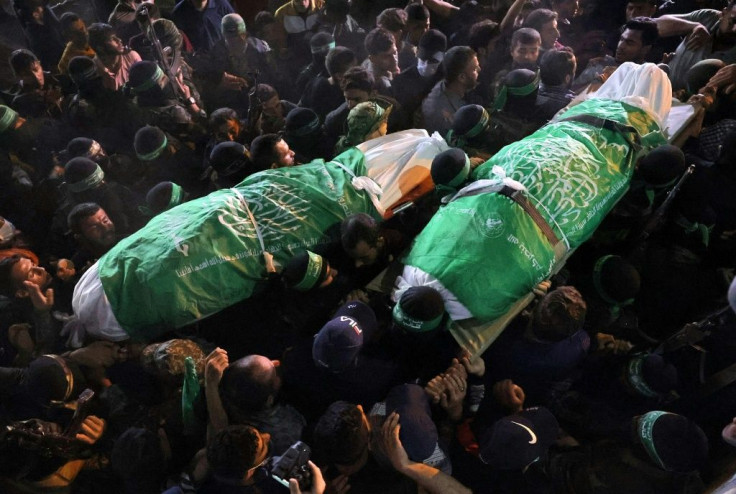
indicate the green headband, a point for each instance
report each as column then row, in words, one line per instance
column 515, row 91
column 644, row 429
column 151, row 82
column 462, row 174
column 89, row 182
column 599, row 286
column 414, row 325
column 155, row 153
column 322, row 48
column 313, row 273
column 480, row 126
column 635, row 378
column 8, row 119
column 694, row 226
column 176, row 196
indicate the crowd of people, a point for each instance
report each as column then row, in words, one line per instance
column 118, row 112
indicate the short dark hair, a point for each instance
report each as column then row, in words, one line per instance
column 67, row 20
column 525, row 36
column 265, row 92
column 98, row 33
column 21, row 60
column 7, row 286
column 79, row 213
column 393, row 19
column 456, row 60
column 648, row 28
column 339, row 60
column 416, row 12
column 232, row 451
column 539, row 17
column 481, row 33
column 357, row 78
column 357, row 227
column 222, row 116
column 261, row 20
column 378, row 41
column 262, row 150
column 340, row 436
column 555, row 65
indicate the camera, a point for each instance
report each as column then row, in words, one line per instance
column 293, row 465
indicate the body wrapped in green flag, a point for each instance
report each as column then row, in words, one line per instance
column 488, row 251
column 207, row 254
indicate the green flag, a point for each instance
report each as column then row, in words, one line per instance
column 488, row 251
column 205, row 255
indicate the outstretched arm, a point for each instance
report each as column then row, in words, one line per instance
column 428, row 478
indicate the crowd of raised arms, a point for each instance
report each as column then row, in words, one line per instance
column 617, row 378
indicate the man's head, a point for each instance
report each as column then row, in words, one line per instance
column 27, row 68
column 90, row 224
column 232, row 27
column 482, row 39
column 430, row 52
column 270, row 101
column 302, row 6
column 360, row 237
column 641, row 8
column 338, row 61
column 636, row 40
column 266, row 28
column 727, row 28
column 307, row 270
column 381, row 47
column 525, row 46
column 224, row 124
column 420, row 311
column 557, row 68
column 103, row 40
column 417, row 22
column 461, row 66
column 357, row 86
column 560, row 314
column 249, row 385
column 545, row 22
column 74, row 29
column 395, row 22
column 271, row 151
column 236, row 452
column 15, row 271
column 566, row 9
column 342, row 437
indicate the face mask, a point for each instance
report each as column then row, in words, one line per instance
column 427, row 69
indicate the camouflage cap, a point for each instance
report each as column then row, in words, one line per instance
column 169, row 356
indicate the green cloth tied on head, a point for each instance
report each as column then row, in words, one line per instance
column 315, row 267
column 644, row 430
column 8, row 116
column 92, row 181
column 525, row 90
column 363, row 120
column 412, row 324
column 232, row 24
column 155, row 153
column 149, row 83
column 635, row 377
